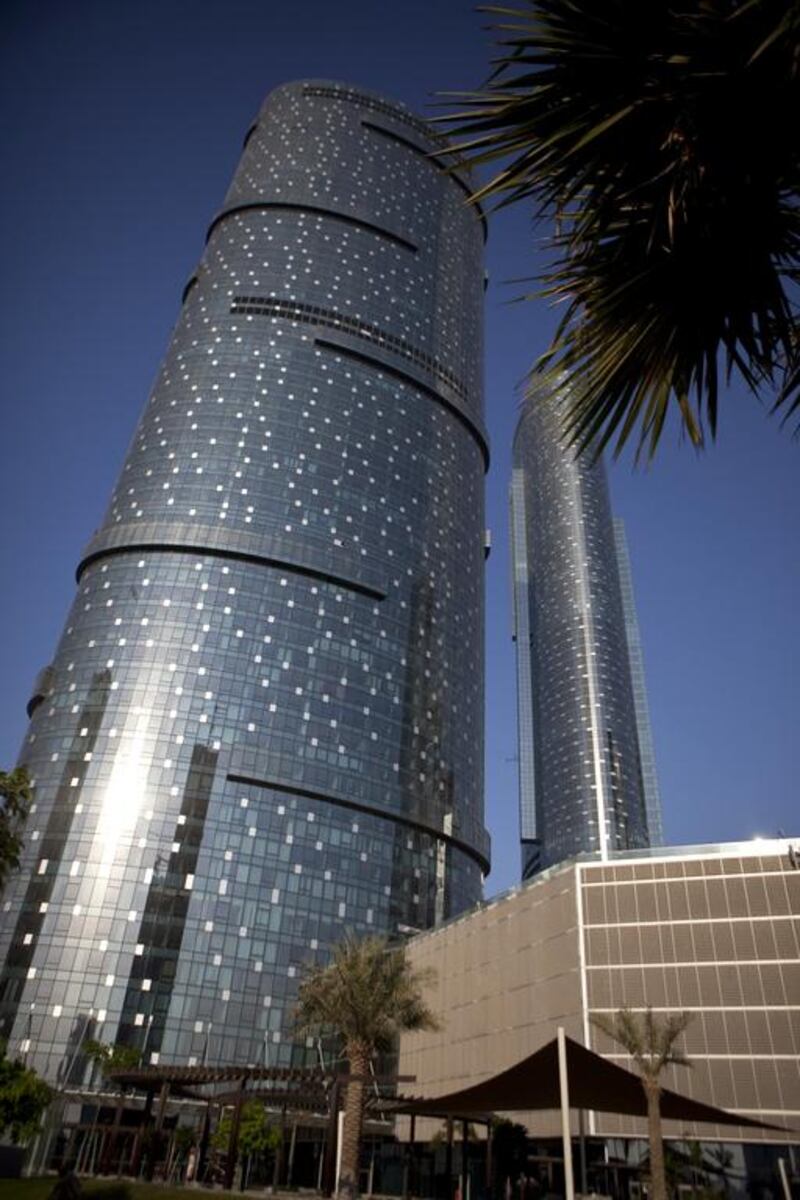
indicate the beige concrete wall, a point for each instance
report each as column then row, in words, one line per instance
column 715, row 934
column 506, row 976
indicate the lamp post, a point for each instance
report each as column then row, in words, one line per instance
column 146, row 1039
column 26, row 1041
column 566, row 1137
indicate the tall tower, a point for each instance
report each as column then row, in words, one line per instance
column 581, row 786
column 263, row 724
column 647, row 756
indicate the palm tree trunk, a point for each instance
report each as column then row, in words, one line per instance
column 353, row 1120
column 658, row 1181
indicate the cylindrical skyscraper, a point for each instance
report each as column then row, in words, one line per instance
column 581, row 785
column 263, row 725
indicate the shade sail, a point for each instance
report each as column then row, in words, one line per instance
column 594, row 1083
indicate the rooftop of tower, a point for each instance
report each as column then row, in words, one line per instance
column 396, row 110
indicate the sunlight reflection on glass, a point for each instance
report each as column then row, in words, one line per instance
column 125, row 791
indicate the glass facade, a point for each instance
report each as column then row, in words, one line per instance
column 581, row 786
column 263, row 724
column 652, row 795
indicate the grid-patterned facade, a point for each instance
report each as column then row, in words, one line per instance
column 263, row 723
column 581, row 785
column 717, row 935
column 710, row 930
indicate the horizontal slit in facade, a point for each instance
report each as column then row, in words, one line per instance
column 352, row 585
column 395, row 373
column 372, row 102
column 436, row 161
column 385, row 814
column 317, row 210
column 311, row 314
column 189, row 285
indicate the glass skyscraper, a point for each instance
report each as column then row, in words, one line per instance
column 581, row 766
column 263, row 724
column 652, row 794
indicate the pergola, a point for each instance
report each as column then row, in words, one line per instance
column 304, row 1090
column 561, row 1075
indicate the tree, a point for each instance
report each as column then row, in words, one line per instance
column 183, row 1138
column 23, row 1099
column 367, row 995
column 15, row 795
column 654, row 138
column 509, row 1153
column 112, row 1057
column 651, row 1044
column 258, row 1136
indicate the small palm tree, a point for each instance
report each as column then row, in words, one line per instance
column 651, row 1045
column 697, row 1166
column 367, row 995
column 720, row 1161
column 653, row 138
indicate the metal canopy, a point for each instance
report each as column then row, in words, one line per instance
column 594, row 1084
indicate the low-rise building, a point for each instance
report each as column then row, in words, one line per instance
column 710, row 930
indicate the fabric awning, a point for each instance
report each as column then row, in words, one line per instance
column 594, row 1084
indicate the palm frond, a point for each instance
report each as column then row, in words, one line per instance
column 648, row 1039
column 654, row 142
column 367, row 994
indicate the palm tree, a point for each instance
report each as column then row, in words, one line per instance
column 651, row 1045
column 654, row 138
column 367, row 995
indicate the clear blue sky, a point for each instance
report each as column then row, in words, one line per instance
column 123, row 120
